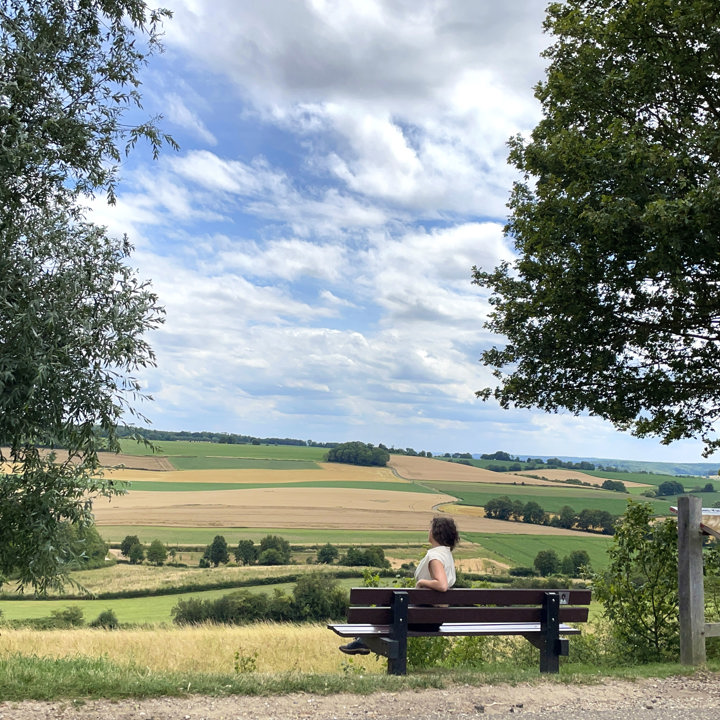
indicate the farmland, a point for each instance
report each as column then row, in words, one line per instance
column 191, row 492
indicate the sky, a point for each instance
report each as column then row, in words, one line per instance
column 342, row 168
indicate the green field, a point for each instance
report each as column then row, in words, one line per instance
column 151, row 610
column 520, row 550
column 173, row 448
column 160, row 486
column 654, row 479
column 550, row 498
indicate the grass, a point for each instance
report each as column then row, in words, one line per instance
column 180, row 536
column 172, row 448
column 520, row 550
column 262, row 659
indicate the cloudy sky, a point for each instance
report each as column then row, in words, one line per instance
column 342, row 168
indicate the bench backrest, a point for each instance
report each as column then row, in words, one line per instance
column 374, row 605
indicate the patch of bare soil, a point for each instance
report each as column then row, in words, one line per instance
column 132, row 462
column 696, row 697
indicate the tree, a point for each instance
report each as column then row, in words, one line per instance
column 670, row 487
column 246, row 552
column 127, row 543
column 547, row 562
column 499, row 508
column 327, row 554
column 157, row 553
column 73, row 313
column 280, row 544
column 616, row 485
column 217, row 551
column 567, row 517
column 533, row 513
column 639, row 589
column 136, row 554
column 573, row 563
column 611, row 306
column 359, row 453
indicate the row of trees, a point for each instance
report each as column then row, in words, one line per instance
column 589, row 520
column 272, row 550
column 547, row 562
column 156, row 553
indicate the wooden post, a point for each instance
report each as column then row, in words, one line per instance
column 690, row 581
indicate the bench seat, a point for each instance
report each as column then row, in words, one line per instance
column 452, row 629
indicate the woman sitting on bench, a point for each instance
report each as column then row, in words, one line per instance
column 436, row 571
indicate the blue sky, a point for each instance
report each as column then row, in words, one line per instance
column 342, row 168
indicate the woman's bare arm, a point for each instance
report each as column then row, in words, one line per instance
column 439, row 578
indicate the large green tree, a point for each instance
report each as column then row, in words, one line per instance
column 612, row 305
column 73, row 314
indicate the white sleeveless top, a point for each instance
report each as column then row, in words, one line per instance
column 444, row 555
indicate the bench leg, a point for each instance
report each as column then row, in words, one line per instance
column 550, row 645
column 397, row 661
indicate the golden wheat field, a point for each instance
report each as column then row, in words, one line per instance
column 426, row 469
column 262, row 647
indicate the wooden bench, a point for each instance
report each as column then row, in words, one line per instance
column 384, row 618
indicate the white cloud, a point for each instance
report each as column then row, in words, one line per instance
column 180, row 114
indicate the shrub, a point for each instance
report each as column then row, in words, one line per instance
column 106, row 620
column 640, row 586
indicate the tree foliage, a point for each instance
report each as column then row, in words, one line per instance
column 359, row 453
column 73, row 313
column 612, row 306
column 639, row 589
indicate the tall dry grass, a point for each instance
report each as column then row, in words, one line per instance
column 263, row 648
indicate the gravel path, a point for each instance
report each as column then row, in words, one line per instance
column 696, row 698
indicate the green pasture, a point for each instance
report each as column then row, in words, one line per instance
column 171, row 448
column 653, row 479
column 150, row 610
column 520, row 550
column 180, row 536
column 550, row 498
column 160, row 486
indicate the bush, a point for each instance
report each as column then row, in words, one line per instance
column 640, row 586
column 106, row 620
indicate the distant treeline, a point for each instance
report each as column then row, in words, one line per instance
column 216, row 437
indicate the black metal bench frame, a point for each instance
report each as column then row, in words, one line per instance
column 384, row 618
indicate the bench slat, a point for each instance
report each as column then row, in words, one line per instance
column 451, row 629
column 383, row 615
column 466, row 596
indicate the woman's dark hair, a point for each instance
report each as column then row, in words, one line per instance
column 444, row 531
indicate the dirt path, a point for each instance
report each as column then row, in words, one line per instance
column 696, row 697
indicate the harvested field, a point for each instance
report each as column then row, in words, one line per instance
column 323, row 473
column 273, row 507
column 560, row 475
column 336, row 508
column 428, row 470
column 111, row 460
